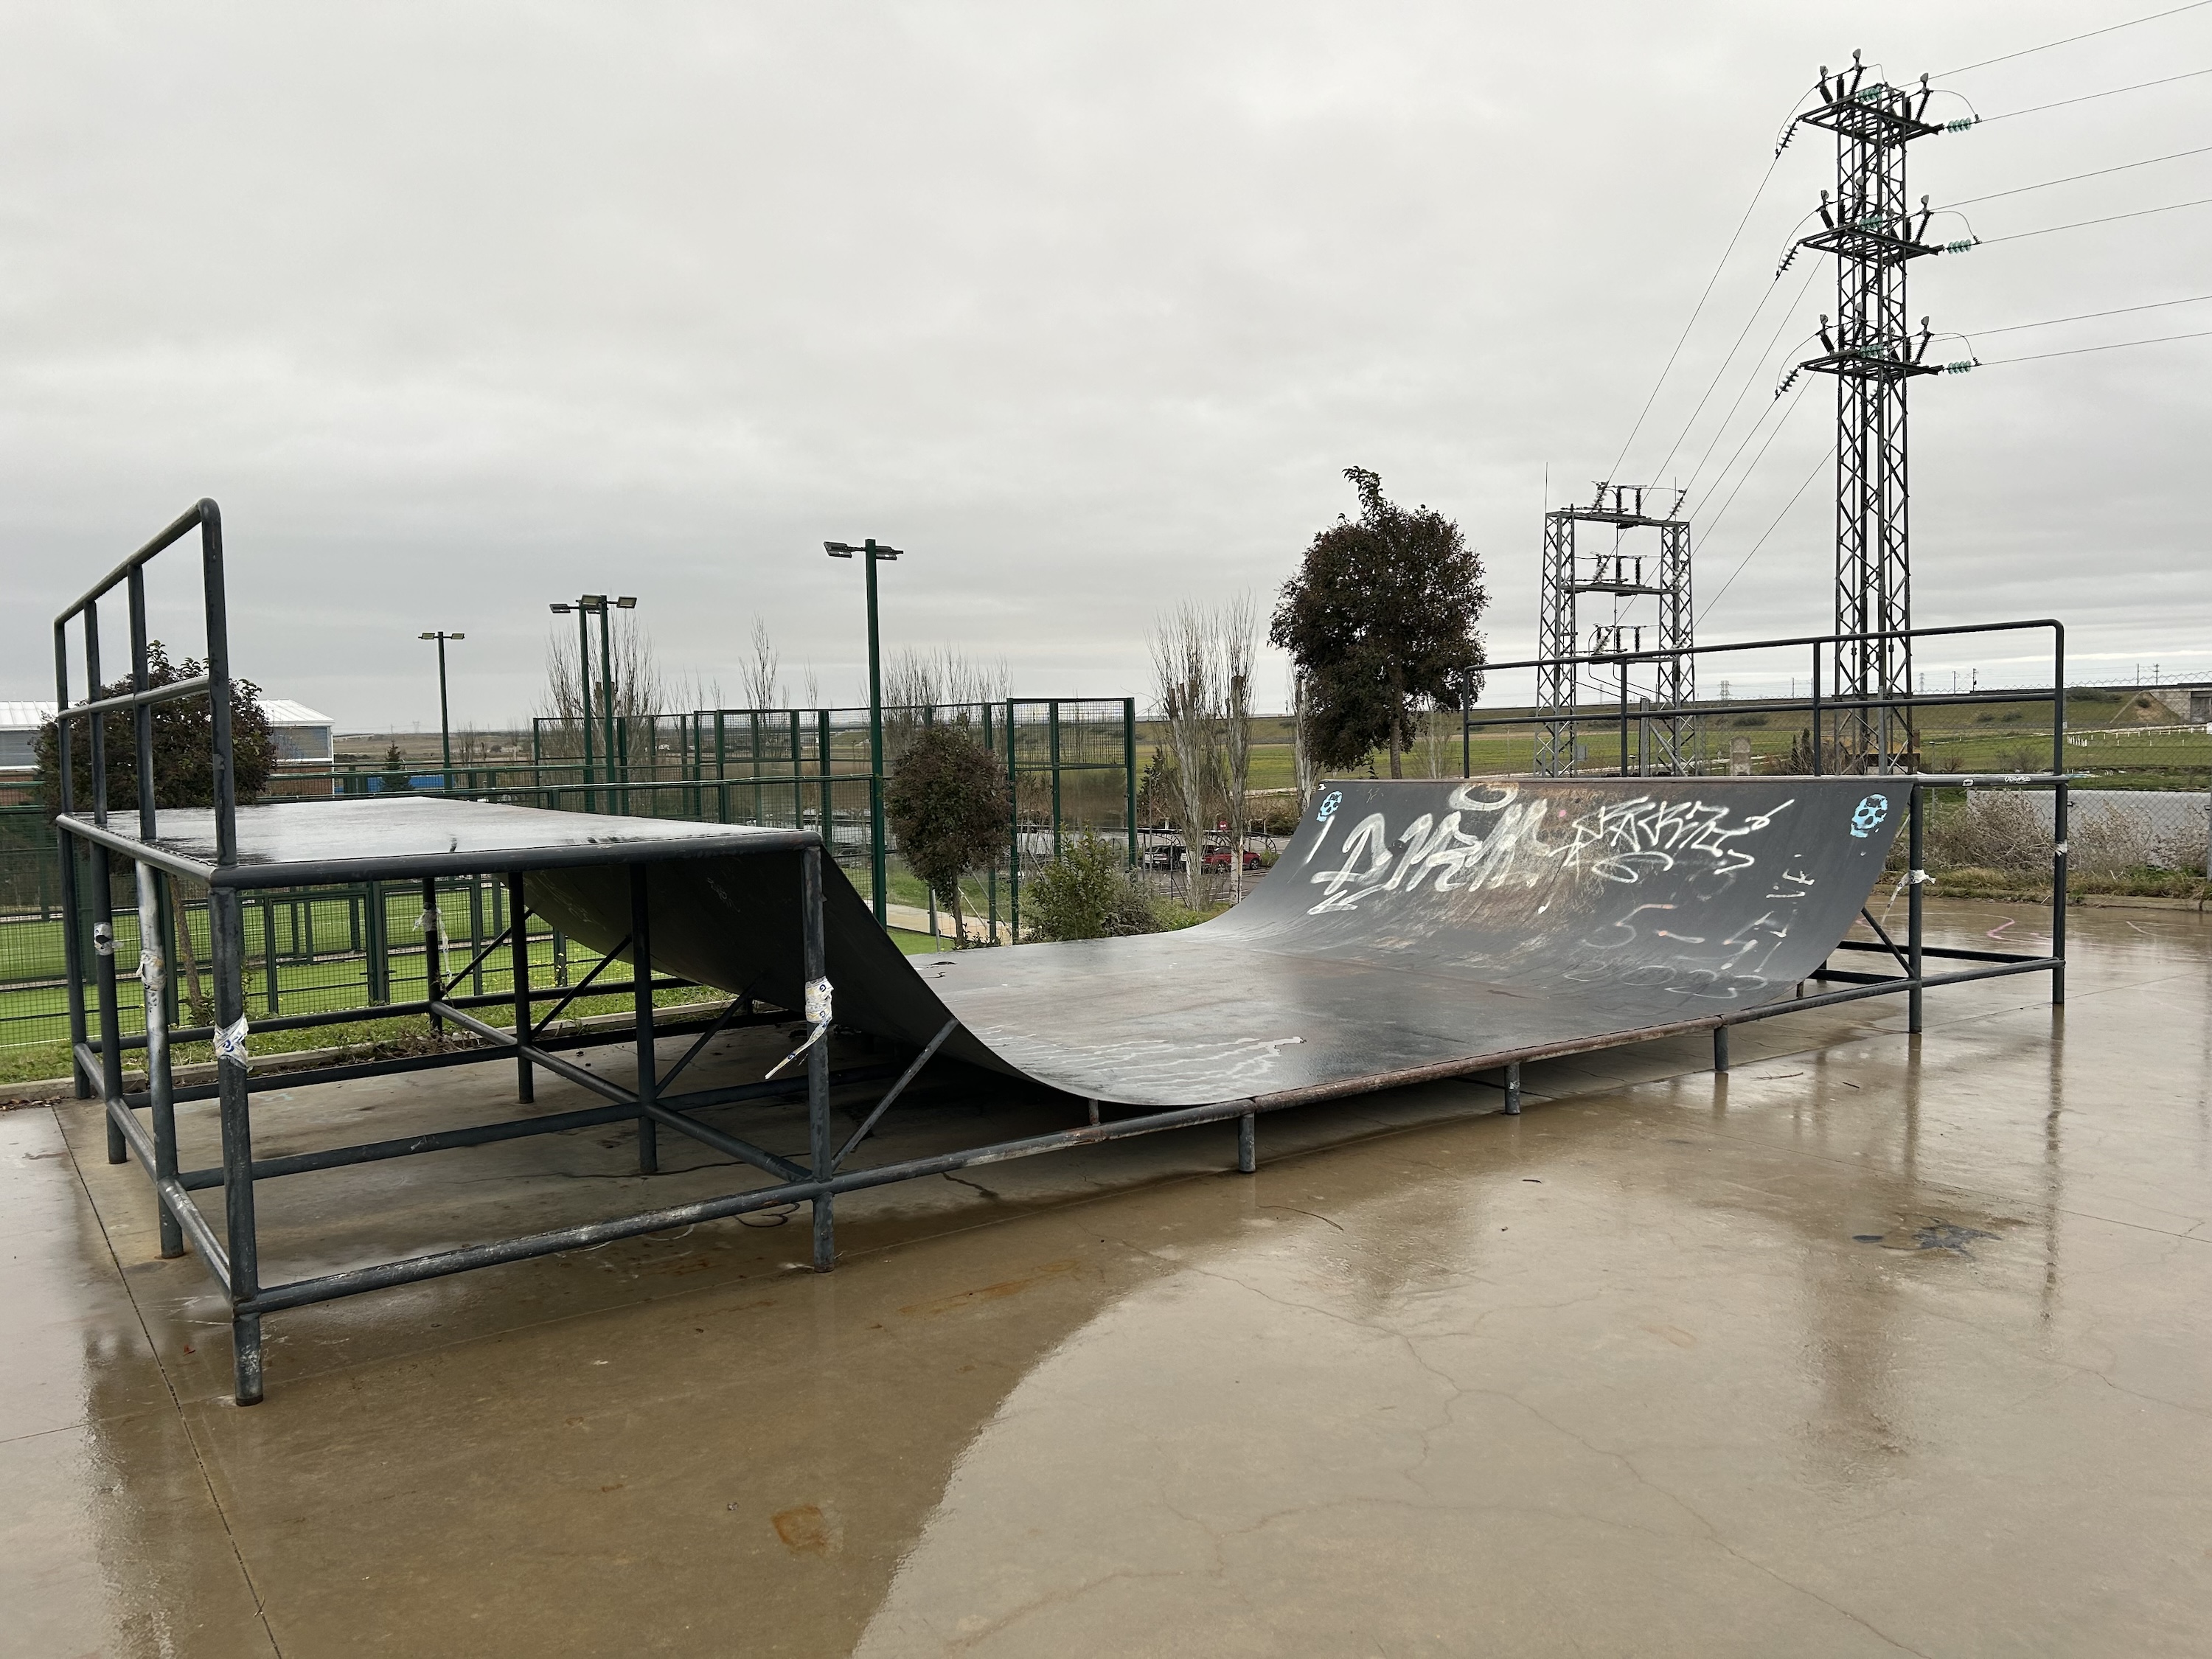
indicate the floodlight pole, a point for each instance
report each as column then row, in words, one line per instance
column 445, row 721
column 606, row 607
column 879, row 869
column 583, row 611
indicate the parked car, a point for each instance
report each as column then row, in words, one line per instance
column 1216, row 857
column 1165, row 855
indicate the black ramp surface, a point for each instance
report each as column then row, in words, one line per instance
column 1408, row 926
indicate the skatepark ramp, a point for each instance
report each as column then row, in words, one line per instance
column 1410, row 929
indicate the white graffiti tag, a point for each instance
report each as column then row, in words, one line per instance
column 1436, row 850
column 1619, row 841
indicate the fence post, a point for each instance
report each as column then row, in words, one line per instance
column 1816, row 708
column 1052, row 717
column 377, row 929
column 2059, row 814
column 269, row 990
column 828, row 804
column 1624, row 717
column 1129, row 772
column 433, row 930
column 641, row 995
column 475, row 930
column 1914, row 878
column 517, row 910
column 1014, row 867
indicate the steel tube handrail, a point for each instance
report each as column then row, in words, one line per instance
column 197, row 514
column 2021, row 626
column 173, row 691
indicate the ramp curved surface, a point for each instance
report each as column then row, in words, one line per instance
column 1410, row 928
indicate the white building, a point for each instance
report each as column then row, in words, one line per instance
column 303, row 736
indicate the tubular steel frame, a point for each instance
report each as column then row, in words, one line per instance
column 230, row 1249
column 1887, row 711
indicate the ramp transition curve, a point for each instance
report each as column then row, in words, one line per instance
column 1410, row 928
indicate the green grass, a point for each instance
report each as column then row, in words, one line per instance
column 26, row 1062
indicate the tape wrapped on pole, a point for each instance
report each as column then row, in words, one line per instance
column 230, row 1043
column 149, row 968
column 103, row 939
column 818, row 1011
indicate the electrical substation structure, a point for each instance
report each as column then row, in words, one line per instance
column 1873, row 353
column 1660, row 678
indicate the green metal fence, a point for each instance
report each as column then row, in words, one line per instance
column 1070, row 762
column 308, row 949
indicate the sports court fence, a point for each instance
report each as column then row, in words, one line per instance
column 1070, row 766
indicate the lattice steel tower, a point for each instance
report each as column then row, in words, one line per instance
column 1666, row 681
column 1873, row 353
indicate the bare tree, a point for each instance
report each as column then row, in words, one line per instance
column 1184, row 678
column 1235, row 628
column 918, row 679
column 1432, row 735
column 1305, row 768
column 920, row 686
column 757, row 677
column 631, row 670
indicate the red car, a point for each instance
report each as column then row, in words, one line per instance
column 1216, row 857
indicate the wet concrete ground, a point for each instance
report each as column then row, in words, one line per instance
column 1873, row 1346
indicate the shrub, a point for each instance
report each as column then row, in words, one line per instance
column 1088, row 892
column 184, row 745
column 948, row 804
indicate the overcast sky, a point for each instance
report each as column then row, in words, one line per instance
column 459, row 309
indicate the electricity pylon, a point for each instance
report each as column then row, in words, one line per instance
column 1873, row 353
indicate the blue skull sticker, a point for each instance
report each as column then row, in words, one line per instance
column 1868, row 815
column 1330, row 803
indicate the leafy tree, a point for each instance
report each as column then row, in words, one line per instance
column 949, row 806
column 1381, row 615
column 184, row 745
column 1088, row 892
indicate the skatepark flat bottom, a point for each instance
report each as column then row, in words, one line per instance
column 1872, row 1347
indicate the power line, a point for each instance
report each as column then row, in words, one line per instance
column 1817, row 467
column 2052, row 322
column 2090, row 97
column 1660, row 471
column 1697, row 311
column 2113, row 219
column 2117, row 345
column 1751, row 379
column 2075, row 177
column 1743, row 443
column 2028, row 52
column 1744, row 478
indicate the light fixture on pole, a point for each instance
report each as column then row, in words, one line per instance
column 444, row 723
column 587, row 605
column 583, row 683
column 871, row 551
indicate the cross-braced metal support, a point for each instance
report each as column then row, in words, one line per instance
column 1663, row 675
